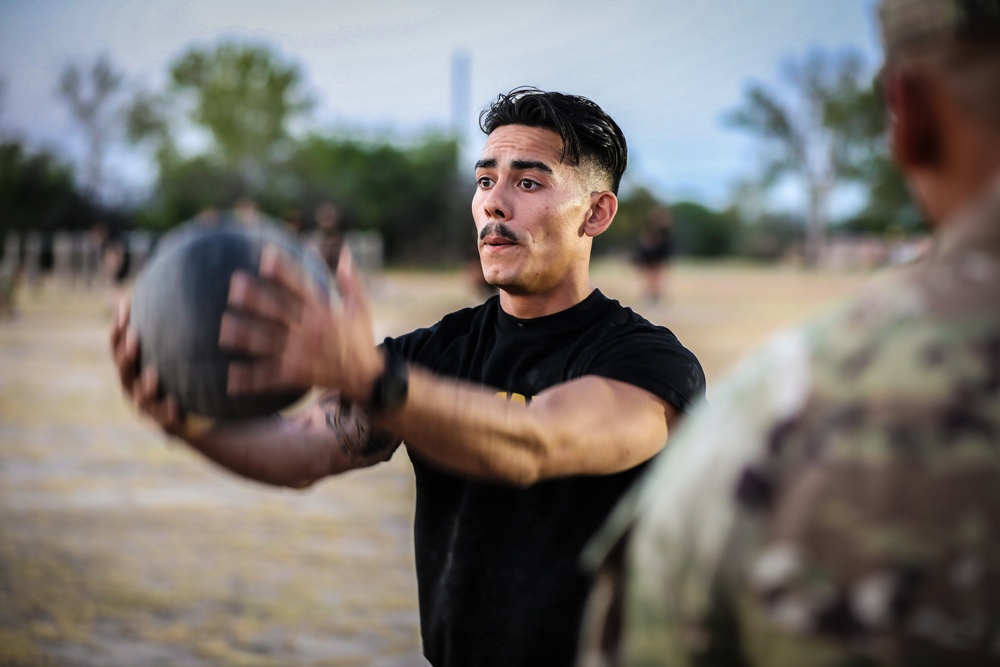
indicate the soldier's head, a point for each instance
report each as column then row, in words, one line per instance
column 941, row 81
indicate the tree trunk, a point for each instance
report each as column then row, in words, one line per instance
column 815, row 242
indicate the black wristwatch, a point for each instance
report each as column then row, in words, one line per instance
column 392, row 386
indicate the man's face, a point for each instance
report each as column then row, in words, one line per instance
column 529, row 210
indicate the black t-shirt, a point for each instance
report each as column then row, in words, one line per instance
column 497, row 566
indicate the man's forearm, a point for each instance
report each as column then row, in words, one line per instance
column 324, row 439
column 269, row 450
column 590, row 425
column 466, row 429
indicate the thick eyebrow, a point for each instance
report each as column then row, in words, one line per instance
column 523, row 165
column 516, row 165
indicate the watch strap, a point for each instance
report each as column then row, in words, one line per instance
column 392, row 386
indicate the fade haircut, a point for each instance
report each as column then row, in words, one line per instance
column 590, row 137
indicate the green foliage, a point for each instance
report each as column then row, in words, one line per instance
column 412, row 195
column 702, row 232
column 698, row 230
column 245, row 100
column 187, row 187
column 244, row 97
column 889, row 205
column 824, row 127
column 770, row 237
column 623, row 234
column 37, row 192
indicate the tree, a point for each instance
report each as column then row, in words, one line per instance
column 94, row 97
column 37, row 193
column 702, row 232
column 806, row 133
column 633, row 209
column 411, row 195
column 243, row 100
column 889, row 207
column 246, row 99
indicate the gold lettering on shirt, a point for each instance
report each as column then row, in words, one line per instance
column 511, row 397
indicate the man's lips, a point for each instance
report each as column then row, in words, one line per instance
column 496, row 235
column 497, row 241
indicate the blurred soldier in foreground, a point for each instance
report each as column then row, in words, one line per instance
column 838, row 502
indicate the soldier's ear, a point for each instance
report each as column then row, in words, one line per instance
column 603, row 207
column 915, row 124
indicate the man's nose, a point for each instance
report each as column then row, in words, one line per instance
column 496, row 205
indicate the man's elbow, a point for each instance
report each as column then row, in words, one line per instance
column 520, row 468
column 300, row 485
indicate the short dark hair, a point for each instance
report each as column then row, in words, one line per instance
column 587, row 132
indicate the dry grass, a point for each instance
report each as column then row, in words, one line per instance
column 117, row 549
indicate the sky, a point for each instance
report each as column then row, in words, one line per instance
column 666, row 70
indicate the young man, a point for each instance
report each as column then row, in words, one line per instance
column 525, row 418
column 838, row 503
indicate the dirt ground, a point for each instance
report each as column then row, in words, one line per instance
column 118, row 549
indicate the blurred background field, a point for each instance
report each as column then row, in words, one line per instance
column 118, row 549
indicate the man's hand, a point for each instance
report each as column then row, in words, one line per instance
column 324, row 439
column 296, row 336
column 141, row 385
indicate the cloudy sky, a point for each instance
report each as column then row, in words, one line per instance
column 667, row 70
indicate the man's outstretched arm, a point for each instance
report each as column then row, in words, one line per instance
column 326, row 438
column 591, row 425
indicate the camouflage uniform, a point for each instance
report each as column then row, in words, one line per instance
column 838, row 501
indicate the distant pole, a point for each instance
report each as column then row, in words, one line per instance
column 461, row 92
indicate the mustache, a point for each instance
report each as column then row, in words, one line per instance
column 498, row 229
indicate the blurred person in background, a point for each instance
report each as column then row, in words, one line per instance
column 115, row 260
column 838, row 503
column 328, row 235
column 653, row 254
column 526, row 418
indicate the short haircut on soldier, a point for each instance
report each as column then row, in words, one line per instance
column 957, row 42
column 590, row 137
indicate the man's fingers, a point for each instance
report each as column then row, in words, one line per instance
column 126, row 356
column 352, row 288
column 263, row 298
column 119, row 324
column 279, row 267
column 148, row 387
column 130, row 354
column 252, row 377
column 149, row 400
column 251, row 335
column 117, row 338
column 172, row 419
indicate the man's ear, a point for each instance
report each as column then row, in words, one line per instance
column 603, row 206
column 915, row 129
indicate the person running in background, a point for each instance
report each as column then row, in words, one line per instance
column 654, row 253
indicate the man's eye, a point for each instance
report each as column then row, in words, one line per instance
column 528, row 184
column 484, row 181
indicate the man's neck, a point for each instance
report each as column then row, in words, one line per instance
column 530, row 306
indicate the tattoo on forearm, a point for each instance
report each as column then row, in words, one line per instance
column 357, row 436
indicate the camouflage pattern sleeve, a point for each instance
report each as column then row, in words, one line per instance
column 837, row 503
